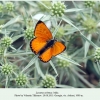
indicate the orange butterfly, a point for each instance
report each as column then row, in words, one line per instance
column 44, row 44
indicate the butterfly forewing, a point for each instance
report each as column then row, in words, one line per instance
column 42, row 31
column 42, row 35
column 37, row 44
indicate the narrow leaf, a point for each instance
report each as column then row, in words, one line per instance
column 38, row 69
column 53, row 66
column 12, row 21
column 73, row 10
column 87, row 44
column 30, row 63
column 67, row 59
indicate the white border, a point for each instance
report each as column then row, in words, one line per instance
column 20, row 94
column 58, row 94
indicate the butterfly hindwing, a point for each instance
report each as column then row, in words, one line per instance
column 37, row 44
column 42, row 31
column 47, row 55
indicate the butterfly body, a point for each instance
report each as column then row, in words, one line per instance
column 48, row 45
column 43, row 44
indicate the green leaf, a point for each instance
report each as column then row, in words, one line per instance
column 38, row 69
column 76, row 52
column 61, row 74
column 94, row 45
column 87, row 44
column 10, row 54
column 17, row 37
column 73, row 79
column 67, row 59
column 31, row 3
column 74, row 10
column 30, row 63
column 93, row 68
column 43, row 4
column 12, row 21
column 79, row 70
column 53, row 66
column 64, row 86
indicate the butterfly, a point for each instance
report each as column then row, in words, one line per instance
column 43, row 44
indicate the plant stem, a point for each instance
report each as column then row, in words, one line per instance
column 6, row 82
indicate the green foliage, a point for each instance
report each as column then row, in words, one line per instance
column 77, row 26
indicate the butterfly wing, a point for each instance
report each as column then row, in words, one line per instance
column 42, row 34
column 58, row 48
column 47, row 55
column 37, row 44
column 54, row 50
column 42, row 31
